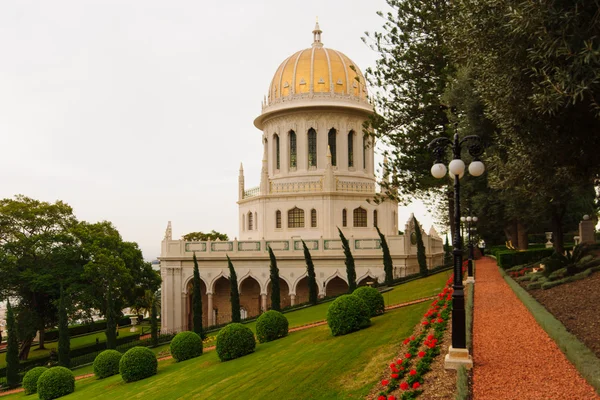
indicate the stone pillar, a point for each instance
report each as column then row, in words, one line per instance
column 209, row 310
column 263, row 302
column 587, row 231
column 292, row 299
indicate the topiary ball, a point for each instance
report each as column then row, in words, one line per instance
column 271, row 325
column 186, row 345
column 55, row 382
column 347, row 313
column 107, row 363
column 234, row 341
column 137, row 363
column 372, row 298
column 30, row 379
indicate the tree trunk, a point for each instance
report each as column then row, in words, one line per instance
column 522, row 238
column 557, row 229
column 42, row 339
column 510, row 231
column 25, row 347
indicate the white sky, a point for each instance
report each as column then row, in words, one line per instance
column 140, row 112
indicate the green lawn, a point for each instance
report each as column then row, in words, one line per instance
column 309, row 364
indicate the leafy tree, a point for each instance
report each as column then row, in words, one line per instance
column 421, row 258
column 197, row 301
column 350, row 269
column 203, row 237
column 111, row 320
column 64, row 340
column 12, row 348
column 234, row 293
column 388, row 264
column 275, row 290
column 311, row 277
column 154, row 322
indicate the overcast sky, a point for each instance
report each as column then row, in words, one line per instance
column 140, row 112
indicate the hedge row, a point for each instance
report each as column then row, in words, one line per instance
column 82, row 329
column 510, row 258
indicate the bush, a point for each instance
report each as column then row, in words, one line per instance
column 30, row 379
column 234, row 341
column 372, row 298
column 347, row 313
column 137, row 363
column 186, row 345
column 107, row 364
column 55, row 382
column 270, row 326
column 509, row 258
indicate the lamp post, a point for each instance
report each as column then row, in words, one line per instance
column 468, row 220
column 458, row 354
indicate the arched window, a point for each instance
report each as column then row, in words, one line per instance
column 276, row 144
column 351, row 149
column 331, row 142
column 278, row 219
column 296, row 218
column 344, row 218
column 365, row 151
column 312, row 148
column 360, row 217
column 375, row 218
column 313, row 218
column 250, row 221
column 293, row 152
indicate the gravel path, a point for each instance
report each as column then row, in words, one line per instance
column 513, row 356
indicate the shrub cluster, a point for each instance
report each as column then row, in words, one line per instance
column 137, row 363
column 509, row 258
column 55, row 382
column 271, row 325
column 107, row 364
column 347, row 313
column 234, row 341
column 30, row 379
column 372, row 298
column 186, row 345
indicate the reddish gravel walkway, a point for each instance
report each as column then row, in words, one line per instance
column 513, row 356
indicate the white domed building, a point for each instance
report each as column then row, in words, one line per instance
column 317, row 176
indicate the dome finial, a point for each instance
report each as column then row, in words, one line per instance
column 317, row 35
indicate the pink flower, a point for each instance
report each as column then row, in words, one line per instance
column 412, row 372
column 416, row 385
column 404, row 386
column 384, row 382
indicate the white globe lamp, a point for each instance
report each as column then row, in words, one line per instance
column 457, row 167
column 438, row 170
column 469, row 219
column 476, row 168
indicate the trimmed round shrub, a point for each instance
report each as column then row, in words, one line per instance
column 30, row 379
column 107, row 363
column 55, row 382
column 234, row 341
column 137, row 363
column 271, row 325
column 372, row 298
column 186, row 345
column 347, row 313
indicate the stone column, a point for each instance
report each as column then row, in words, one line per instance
column 292, row 299
column 263, row 302
column 209, row 310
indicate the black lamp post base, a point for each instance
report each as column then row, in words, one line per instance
column 457, row 358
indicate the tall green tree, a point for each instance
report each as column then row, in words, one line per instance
column 234, row 293
column 275, row 289
column 154, row 321
column 197, row 300
column 421, row 258
column 311, row 277
column 111, row 320
column 64, row 340
column 12, row 349
column 388, row 264
column 350, row 268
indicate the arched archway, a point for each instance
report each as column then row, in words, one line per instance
column 302, row 291
column 221, row 301
column 250, row 296
column 336, row 286
column 366, row 280
column 190, row 307
column 284, row 296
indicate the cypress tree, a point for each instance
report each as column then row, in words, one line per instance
column 12, row 349
column 275, row 290
column 388, row 265
column 350, row 269
column 234, row 293
column 312, row 279
column 197, row 300
column 64, row 341
column 154, row 322
column 447, row 252
column 111, row 323
column 420, row 249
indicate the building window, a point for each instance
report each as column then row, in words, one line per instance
column 312, row 148
column 365, row 152
column 293, row 152
column 313, row 218
column 360, row 217
column 351, row 149
column 277, row 157
column 296, row 218
column 250, row 221
column 331, row 142
column 278, row 219
column 344, row 218
column 375, row 218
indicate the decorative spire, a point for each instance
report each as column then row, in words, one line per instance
column 169, row 232
column 317, row 35
column 241, row 169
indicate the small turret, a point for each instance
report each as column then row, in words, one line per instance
column 241, row 183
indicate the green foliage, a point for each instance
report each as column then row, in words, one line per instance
column 186, row 345
column 271, row 325
column 197, row 301
column 388, row 264
column 372, row 298
column 421, row 258
column 508, row 259
column 275, row 289
column 12, row 348
column 154, row 322
column 347, row 313
column 107, row 363
column 137, row 363
column 111, row 324
column 55, row 382
column 64, row 341
column 31, row 378
column 234, row 341
column 581, row 258
column 203, row 237
column 350, row 269
column 234, row 293
column 310, row 273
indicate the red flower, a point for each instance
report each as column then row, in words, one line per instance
column 421, row 354
column 412, row 372
column 395, row 376
column 391, row 398
column 382, row 397
column 416, row 385
column 440, row 320
column 431, row 345
column 425, row 322
column 399, row 362
column 404, row 386
column 384, row 382
column 401, row 368
column 412, row 338
column 406, row 341
column 407, row 355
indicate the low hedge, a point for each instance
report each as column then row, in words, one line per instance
column 55, row 382
column 372, row 298
column 137, row 363
column 271, row 325
column 82, row 329
column 347, row 313
column 234, row 341
column 509, row 258
column 186, row 345
column 30, row 379
column 107, row 363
